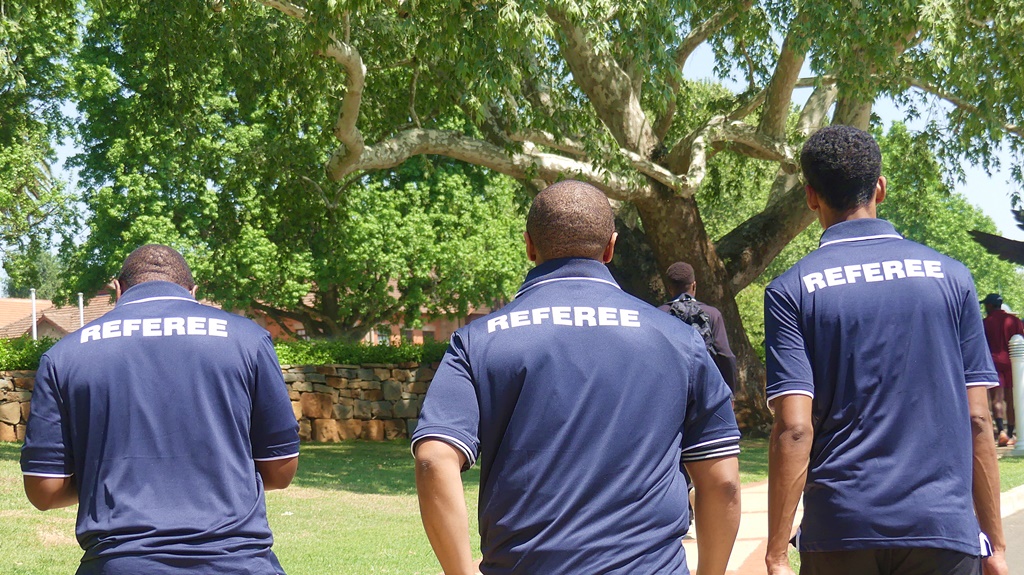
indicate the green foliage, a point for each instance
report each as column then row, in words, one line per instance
column 23, row 352
column 33, row 267
column 220, row 152
column 322, row 352
column 36, row 38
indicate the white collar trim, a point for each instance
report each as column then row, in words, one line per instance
column 158, row 298
column 581, row 278
column 878, row 237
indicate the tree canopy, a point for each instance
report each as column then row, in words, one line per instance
column 340, row 92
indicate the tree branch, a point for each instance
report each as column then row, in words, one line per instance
column 528, row 164
column 345, row 129
column 748, row 249
column 779, row 96
column 961, row 104
column 576, row 148
column 690, row 155
column 697, row 36
column 607, row 86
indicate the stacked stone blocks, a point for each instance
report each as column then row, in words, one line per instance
column 15, row 397
column 330, row 402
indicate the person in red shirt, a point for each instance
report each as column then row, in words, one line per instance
column 999, row 327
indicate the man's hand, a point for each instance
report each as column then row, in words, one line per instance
column 996, row 564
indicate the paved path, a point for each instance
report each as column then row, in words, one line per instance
column 751, row 542
column 1013, row 528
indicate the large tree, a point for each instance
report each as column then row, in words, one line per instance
column 592, row 90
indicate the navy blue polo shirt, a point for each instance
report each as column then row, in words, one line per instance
column 158, row 409
column 885, row 335
column 579, row 399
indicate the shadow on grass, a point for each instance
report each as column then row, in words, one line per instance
column 10, row 451
column 384, row 468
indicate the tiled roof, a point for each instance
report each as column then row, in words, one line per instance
column 65, row 318
column 13, row 309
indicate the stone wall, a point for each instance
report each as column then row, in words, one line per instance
column 372, row 401
column 15, row 393
column 331, row 402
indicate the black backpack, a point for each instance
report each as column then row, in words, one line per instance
column 687, row 309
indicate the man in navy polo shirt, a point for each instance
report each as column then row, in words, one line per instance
column 579, row 400
column 877, row 373
column 165, row 421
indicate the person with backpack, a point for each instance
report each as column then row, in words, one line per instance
column 706, row 319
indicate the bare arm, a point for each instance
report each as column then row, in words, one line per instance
column 986, row 480
column 443, row 505
column 51, row 492
column 789, row 452
column 716, row 484
column 277, row 473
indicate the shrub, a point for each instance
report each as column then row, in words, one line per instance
column 318, row 352
column 22, row 352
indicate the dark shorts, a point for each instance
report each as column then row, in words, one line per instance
column 894, row 561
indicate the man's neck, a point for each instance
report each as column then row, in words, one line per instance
column 829, row 218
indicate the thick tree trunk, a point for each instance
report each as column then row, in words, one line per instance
column 634, row 266
column 676, row 232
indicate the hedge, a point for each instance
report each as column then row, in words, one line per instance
column 319, row 352
column 23, row 353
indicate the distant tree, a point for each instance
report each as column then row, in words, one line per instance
column 37, row 38
column 428, row 238
column 33, row 268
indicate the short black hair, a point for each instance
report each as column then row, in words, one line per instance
column 155, row 262
column 570, row 219
column 681, row 276
column 842, row 164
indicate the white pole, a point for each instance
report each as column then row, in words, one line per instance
column 81, row 312
column 1016, row 348
column 35, row 335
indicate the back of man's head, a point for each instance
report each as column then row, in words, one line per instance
column 680, row 276
column 570, row 219
column 842, row 164
column 155, row 262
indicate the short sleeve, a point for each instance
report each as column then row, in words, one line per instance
column 274, row 433
column 47, row 450
column 451, row 412
column 978, row 367
column 709, row 428
column 786, row 360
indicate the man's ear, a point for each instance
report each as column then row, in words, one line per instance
column 880, row 190
column 813, row 201
column 117, row 288
column 609, row 250
column 531, row 250
column 195, row 288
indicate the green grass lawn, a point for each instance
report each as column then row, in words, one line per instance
column 351, row 509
